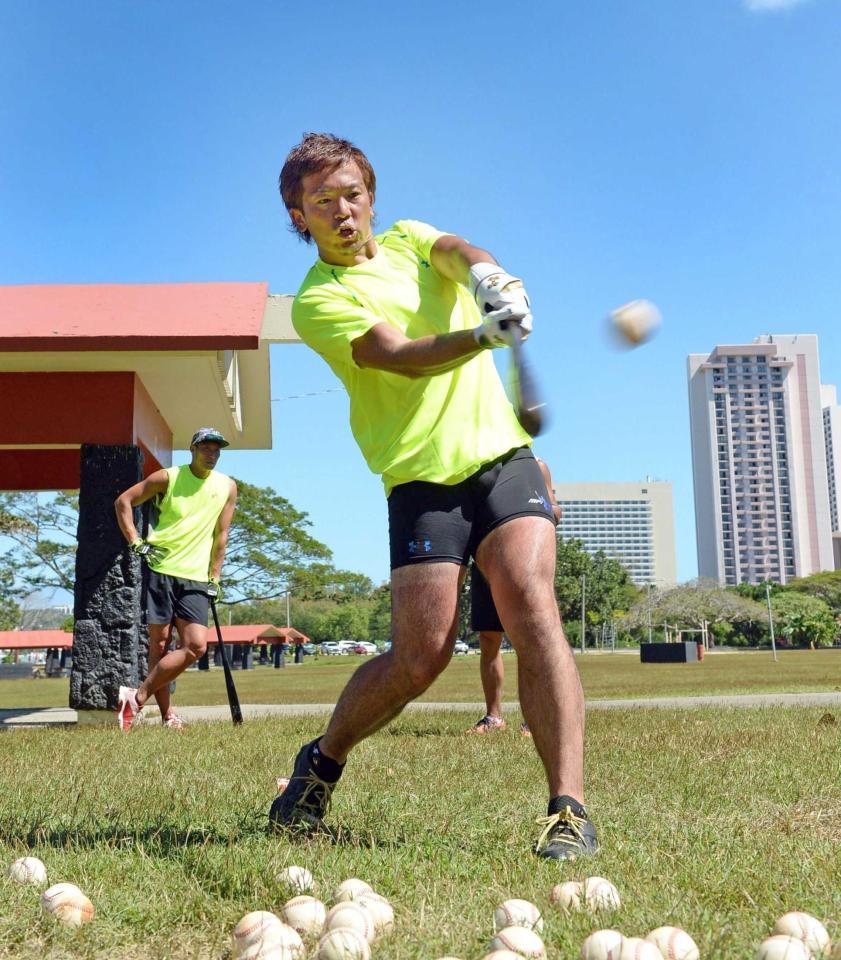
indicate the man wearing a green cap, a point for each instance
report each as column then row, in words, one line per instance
column 184, row 550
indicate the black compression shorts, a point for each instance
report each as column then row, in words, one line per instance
column 434, row 522
column 170, row 597
column 483, row 615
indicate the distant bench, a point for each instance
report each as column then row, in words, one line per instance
column 13, row 671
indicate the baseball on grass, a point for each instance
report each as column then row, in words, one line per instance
column 674, row 943
column 382, row 912
column 600, row 894
column 252, row 928
column 28, row 870
column 299, row 878
column 635, row 322
column 635, row 948
column 350, row 914
column 807, row 928
column 67, row 903
column 520, row 940
column 350, row 889
column 502, row 955
column 343, row 943
column 304, row 914
column 517, row 913
column 568, row 896
column 781, row 947
column 602, row 945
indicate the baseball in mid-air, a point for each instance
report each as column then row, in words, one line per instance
column 602, row 945
column 674, row 943
column 805, row 927
column 67, row 903
column 517, row 913
column 28, row 870
column 781, row 947
column 635, row 322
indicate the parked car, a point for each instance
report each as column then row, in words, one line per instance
column 331, row 648
column 308, row 648
column 461, row 647
column 346, row 646
column 365, row 647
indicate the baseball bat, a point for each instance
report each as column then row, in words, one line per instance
column 528, row 403
column 233, row 698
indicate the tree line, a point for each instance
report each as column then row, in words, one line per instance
column 273, row 558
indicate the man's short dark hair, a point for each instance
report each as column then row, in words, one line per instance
column 317, row 152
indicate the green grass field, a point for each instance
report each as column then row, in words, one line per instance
column 605, row 676
column 717, row 821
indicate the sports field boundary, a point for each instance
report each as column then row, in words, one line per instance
column 64, row 716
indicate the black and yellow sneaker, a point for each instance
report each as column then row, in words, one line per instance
column 305, row 798
column 567, row 833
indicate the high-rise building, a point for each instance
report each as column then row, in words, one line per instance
column 832, row 438
column 632, row 522
column 759, row 461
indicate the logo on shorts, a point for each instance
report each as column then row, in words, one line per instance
column 537, row 498
column 419, row 546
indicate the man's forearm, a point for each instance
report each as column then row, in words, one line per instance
column 217, row 555
column 426, row 356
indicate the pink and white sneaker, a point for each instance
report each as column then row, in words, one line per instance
column 174, row 722
column 128, row 708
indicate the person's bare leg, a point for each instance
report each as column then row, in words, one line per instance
column 193, row 643
column 491, row 670
column 518, row 561
column 160, row 636
column 424, row 605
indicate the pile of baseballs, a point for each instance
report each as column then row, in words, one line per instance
column 65, row 902
column 593, row 895
column 357, row 917
column 664, row 943
column 798, row 936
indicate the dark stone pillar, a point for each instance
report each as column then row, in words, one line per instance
column 204, row 660
column 264, row 653
column 277, row 655
column 247, row 657
column 109, row 641
column 236, row 659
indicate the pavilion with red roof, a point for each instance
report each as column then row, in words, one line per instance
column 98, row 384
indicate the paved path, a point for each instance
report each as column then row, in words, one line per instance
column 62, row 716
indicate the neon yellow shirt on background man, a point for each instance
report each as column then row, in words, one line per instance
column 186, row 522
column 439, row 428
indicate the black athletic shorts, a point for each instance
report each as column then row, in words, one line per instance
column 435, row 522
column 483, row 615
column 170, row 597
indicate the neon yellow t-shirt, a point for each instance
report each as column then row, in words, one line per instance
column 186, row 521
column 439, row 428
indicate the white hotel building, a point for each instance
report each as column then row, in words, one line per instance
column 632, row 522
column 759, row 460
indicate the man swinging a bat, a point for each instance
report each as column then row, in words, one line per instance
column 407, row 320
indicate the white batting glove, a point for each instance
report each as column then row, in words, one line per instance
column 503, row 300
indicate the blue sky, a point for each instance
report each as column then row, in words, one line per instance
column 687, row 152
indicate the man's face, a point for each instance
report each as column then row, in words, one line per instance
column 337, row 209
column 206, row 454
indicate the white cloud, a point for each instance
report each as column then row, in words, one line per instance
column 762, row 6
